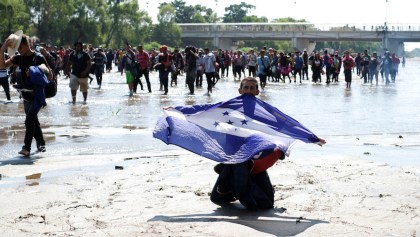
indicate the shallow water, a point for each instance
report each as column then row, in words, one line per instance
column 365, row 121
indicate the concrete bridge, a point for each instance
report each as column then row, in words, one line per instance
column 302, row 35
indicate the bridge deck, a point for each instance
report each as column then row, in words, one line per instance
column 267, row 31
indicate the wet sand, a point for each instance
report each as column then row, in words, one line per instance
column 104, row 175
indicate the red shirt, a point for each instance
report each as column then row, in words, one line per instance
column 262, row 164
column 143, row 60
column 348, row 62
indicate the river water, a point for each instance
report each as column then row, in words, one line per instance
column 379, row 123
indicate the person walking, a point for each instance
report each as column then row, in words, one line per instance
column 128, row 64
column 191, row 58
column 349, row 64
column 164, row 62
column 209, row 69
column 143, row 62
column 264, row 67
column 32, row 97
column 305, row 58
column 4, row 81
column 79, row 63
column 99, row 58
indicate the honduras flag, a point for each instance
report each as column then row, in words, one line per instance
column 232, row 131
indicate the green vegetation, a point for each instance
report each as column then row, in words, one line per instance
column 112, row 23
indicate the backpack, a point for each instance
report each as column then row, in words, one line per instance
column 51, row 89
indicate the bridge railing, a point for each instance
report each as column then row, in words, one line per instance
column 300, row 26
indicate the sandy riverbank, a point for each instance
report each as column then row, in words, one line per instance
column 167, row 195
column 364, row 182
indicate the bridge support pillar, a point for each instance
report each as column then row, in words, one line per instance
column 300, row 44
column 393, row 46
column 224, row 43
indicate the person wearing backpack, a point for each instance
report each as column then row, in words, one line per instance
column 25, row 59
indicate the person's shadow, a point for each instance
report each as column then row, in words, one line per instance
column 267, row 221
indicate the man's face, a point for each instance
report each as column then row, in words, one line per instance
column 20, row 49
column 249, row 88
column 78, row 47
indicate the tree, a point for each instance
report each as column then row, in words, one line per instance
column 192, row 14
column 287, row 19
column 49, row 17
column 127, row 23
column 167, row 31
column 237, row 12
column 14, row 17
column 254, row 19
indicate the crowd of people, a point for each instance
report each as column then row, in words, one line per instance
column 267, row 65
column 248, row 181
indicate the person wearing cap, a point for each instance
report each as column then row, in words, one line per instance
column 26, row 58
column 80, row 64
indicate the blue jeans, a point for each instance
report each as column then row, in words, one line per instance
column 164, row 79
column 4, row 81
column 32, row 126
column 190, row 77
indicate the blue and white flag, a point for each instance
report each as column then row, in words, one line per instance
column 232, row 131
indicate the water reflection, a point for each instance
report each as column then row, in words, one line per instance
column 79, row 111
column 33, row 179
column 112, row 122
column 265, row 96
column 347, row 94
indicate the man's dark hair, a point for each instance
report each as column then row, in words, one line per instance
column 188, row 48
column 24, row 40
column 249, row 79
